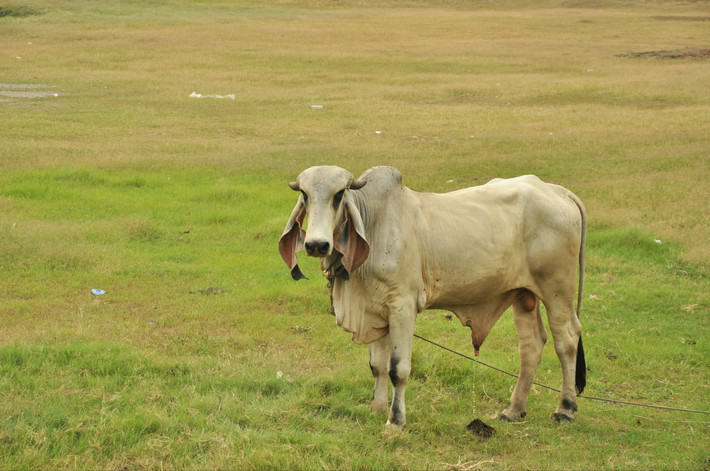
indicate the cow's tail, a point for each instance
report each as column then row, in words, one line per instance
column 581, row 369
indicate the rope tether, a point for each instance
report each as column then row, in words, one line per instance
column 591, row 398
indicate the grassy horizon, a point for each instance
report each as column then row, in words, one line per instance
column 204, row 353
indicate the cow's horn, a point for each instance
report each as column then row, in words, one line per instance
column 357, row 184
column 294, row 186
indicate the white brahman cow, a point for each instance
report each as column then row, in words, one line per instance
column 390, row 252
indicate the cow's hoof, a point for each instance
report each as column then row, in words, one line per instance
column 505, row 418
column 396, row 422
column 562, row 417
column 393, row 428
column 378, row 407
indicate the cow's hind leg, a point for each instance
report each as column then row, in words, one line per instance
column 532, row 335
column 566, row 331
column 379, row 365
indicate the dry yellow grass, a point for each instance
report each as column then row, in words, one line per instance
column 474, row 93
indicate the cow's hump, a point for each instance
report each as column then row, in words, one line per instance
column 381, row 180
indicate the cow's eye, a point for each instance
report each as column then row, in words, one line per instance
column 338, row 198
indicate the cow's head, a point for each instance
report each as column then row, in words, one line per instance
column 334, row 222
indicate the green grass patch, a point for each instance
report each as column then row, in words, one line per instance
column 204, row 354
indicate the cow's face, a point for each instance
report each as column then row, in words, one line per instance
column 324, row 202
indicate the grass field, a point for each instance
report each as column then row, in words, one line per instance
column 204, row 354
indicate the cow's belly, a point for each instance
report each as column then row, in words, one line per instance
column 486, row 265
column 469, row 288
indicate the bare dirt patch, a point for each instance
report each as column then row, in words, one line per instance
column 686, row 53
column 681, row 18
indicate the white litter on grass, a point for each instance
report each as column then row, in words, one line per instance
column 279, row 374
column 27, row 94
column 316, row 107
column 199, row 95
column 378, row 132
column 98, row 292
column 25, row 90
column 24, row 85
column 658, row 241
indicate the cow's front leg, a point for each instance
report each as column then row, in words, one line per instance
column 379, row 365
column 401, row 336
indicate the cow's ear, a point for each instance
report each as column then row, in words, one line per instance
column 291, row 241
column 350, row 238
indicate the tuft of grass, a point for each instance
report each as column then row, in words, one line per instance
column 18, row 11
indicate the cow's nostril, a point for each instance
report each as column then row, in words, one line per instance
column 317, row 248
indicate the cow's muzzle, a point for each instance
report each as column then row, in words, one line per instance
column 318, row 248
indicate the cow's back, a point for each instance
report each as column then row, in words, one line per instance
column 479, row 242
